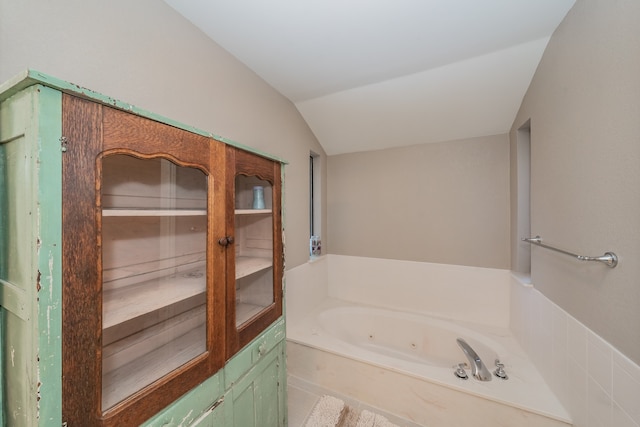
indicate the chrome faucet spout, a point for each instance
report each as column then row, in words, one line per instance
column 478, row 369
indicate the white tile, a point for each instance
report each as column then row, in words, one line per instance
column 599, row 361
column 626, row 364
column 444, row 290
column 306, row 286
column 559, row 383
column 597, row 384
column 516, row 311
column 577, row 342
column 626, row 386
column 527, row 315
column 620, row 418
column 598, row 406
column 542, row 335
column 577, row 402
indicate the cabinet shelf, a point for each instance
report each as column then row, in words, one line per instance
column 142, row 371
column 245, row 311
column 178, row 292
column 154, row 212
column 253, row 211
column 246, row 266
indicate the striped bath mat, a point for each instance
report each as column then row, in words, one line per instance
column 333, row 412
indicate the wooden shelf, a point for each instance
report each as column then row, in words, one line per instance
column 253, row 211
column 175, row 293
column 154, row 212
column 144, row 370
column 246, row 311
column 122, row 352
column 248, row 265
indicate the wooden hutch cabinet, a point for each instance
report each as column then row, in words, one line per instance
column 141, row 266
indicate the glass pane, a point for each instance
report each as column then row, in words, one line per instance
column 154, row 237
column 254, row 247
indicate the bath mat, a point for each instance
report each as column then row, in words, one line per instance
column 369, row 419
column 328, row 412
column 333, row 412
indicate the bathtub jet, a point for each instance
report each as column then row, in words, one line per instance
column 478, row 369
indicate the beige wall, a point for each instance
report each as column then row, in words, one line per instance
column 144, row 53
column 442, row 203
column 584, row 106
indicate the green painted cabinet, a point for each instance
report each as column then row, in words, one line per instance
column 249, row 391
column 141, row 267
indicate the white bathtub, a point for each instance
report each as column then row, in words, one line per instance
column 403, row 363
column 407, row 337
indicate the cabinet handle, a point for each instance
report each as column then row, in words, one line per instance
column 225, row 241
column 215, row 404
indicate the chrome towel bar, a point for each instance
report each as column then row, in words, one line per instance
column 609, row 258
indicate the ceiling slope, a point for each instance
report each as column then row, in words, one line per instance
column 373, row 74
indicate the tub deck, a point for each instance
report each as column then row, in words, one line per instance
column 426, row 393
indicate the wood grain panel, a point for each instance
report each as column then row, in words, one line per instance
column 124, row 131
column 93, row 132
column 81, row 300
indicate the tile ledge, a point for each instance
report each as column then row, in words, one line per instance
column 313, row 259
column 524, row 279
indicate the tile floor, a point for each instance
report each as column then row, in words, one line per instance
column 303, row 396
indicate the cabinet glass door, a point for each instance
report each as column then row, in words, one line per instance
column 253, row 247
column 254, row 250
column 154, row 275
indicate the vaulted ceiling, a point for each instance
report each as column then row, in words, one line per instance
column 374, row 74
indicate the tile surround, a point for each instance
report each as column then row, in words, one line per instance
column 598, row 385
column 441, row 290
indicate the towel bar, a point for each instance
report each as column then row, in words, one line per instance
column 609, row 258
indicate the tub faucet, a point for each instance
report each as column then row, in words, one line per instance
column 478, row 370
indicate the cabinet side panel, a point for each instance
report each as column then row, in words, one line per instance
column 17, row 272
column 82, row 127
column 28, row 142
column 2, row 405
column 49, row 286
column 18, row 139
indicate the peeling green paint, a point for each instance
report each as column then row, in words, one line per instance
column 2, row 405
column 30, row 272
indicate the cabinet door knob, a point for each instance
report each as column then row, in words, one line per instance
column 225, row 241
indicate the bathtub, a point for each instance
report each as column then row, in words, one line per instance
column 403, row 363
column 405, row 337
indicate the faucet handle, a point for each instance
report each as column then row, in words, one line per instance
column 460, row 371
column 499, row 372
